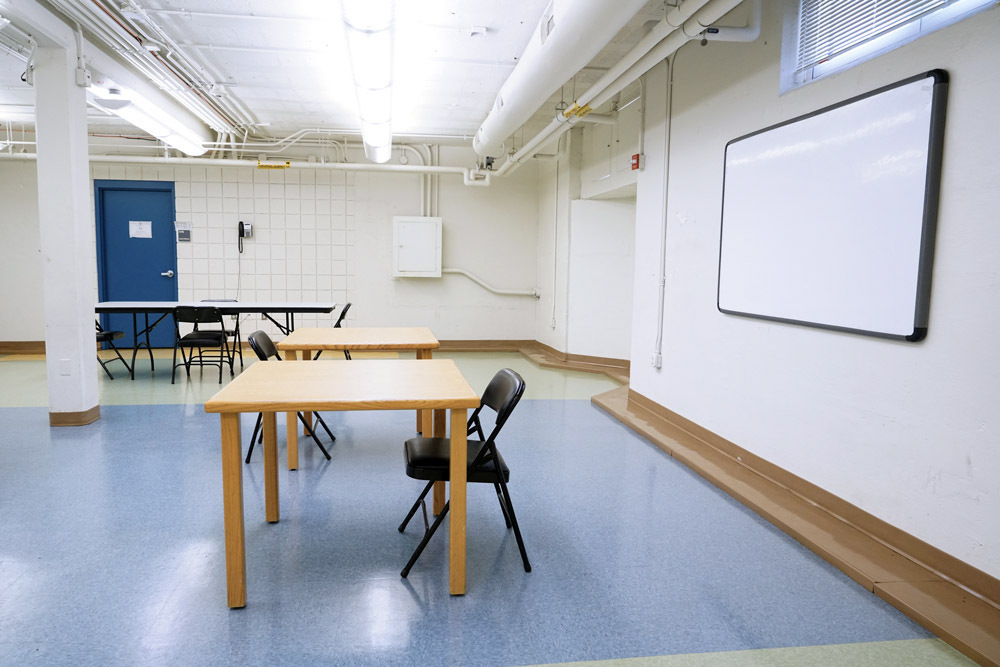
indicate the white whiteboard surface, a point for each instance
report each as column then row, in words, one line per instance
column 829, row 219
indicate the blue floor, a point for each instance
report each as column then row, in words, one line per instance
column 111, row 552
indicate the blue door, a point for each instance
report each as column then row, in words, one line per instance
column 136, row 252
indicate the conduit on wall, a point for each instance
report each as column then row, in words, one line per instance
column 532, row 293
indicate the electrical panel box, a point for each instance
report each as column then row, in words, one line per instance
column 416, row 251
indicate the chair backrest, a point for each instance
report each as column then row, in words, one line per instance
column 197, row 314
column 342, row 314
column 502, row 395
column 263, row 346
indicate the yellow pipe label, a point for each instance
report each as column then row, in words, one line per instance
column 583, row 111
column 263, row 165
column 571, row 111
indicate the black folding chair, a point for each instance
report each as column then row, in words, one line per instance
column 206, row 341
column 107, row 337
column 429, row 459
column 264, row 348
column 234, row 333
column 343, row 313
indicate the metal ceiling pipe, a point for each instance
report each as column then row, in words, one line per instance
column 692, row 29
column 673, row 20
column 748, row 33
column 49, row 27
column 568, row 36
column 472, row 177
column 641, row 62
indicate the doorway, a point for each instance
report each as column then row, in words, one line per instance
column 136, row 251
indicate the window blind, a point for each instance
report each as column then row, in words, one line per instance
column 828, row 28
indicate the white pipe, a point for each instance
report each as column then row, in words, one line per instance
column 568, row 36
column 472, row 177
column 691, row 29
column 505, row 292
column 555, row 243
column 749, row 33
column 600, row 119
column 673, row 20
column 48, row 25
column 642, row 116
column 129, row 49
column 662, row 291
column 707, row 13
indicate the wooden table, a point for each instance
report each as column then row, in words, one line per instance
column 304, row 342
column 397, row 384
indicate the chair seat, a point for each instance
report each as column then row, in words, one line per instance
column 203, row 339
column 108, row 336
column 429, row 459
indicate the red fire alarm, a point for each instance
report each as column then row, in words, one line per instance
column 638, row 161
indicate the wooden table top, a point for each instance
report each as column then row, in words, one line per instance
column 360, row 338
column 372, row 384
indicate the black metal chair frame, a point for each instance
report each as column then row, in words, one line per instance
column 200, row 315
column 233, row 333
column 108, row 337
column 264, row 348
column 343, row 313
column 486, row 466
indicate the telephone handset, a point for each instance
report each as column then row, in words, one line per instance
column 245, row 232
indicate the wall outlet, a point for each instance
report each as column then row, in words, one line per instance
column 65, row 368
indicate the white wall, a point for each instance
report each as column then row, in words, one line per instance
column 21, row 315
column 606, row 166
column 601, row 263
column 487, row 231
column 908, row 432
column 319, row 235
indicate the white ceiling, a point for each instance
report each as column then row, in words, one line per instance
column 284, row 63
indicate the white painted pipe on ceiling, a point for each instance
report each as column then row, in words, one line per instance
column 673, row 20
column 472, row 177
column 691, row 29
column 702, row 12
column 48, row 27
column 568, row 36
column 749, row 33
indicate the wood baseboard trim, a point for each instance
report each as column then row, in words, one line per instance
column 485, row 345
column 22, row 347
column 75, row 418
column 545, row 356
column 930, row 586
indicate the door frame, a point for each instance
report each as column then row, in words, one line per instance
column 100, row 185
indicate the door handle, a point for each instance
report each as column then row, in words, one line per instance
column 168, row 274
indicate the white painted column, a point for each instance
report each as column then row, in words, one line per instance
column 64, row 221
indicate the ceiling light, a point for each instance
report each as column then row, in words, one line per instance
column 368, row 24
column 147, row 116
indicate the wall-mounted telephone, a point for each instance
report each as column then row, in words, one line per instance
column 246, row 232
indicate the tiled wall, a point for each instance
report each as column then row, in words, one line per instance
column 302, row 248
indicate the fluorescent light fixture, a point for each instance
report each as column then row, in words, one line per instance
column 4, row 22
column 147, row 116
column 368, row 24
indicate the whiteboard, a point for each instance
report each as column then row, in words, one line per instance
column 828, row 219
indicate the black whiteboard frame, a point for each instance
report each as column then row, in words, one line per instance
column 932, row 190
